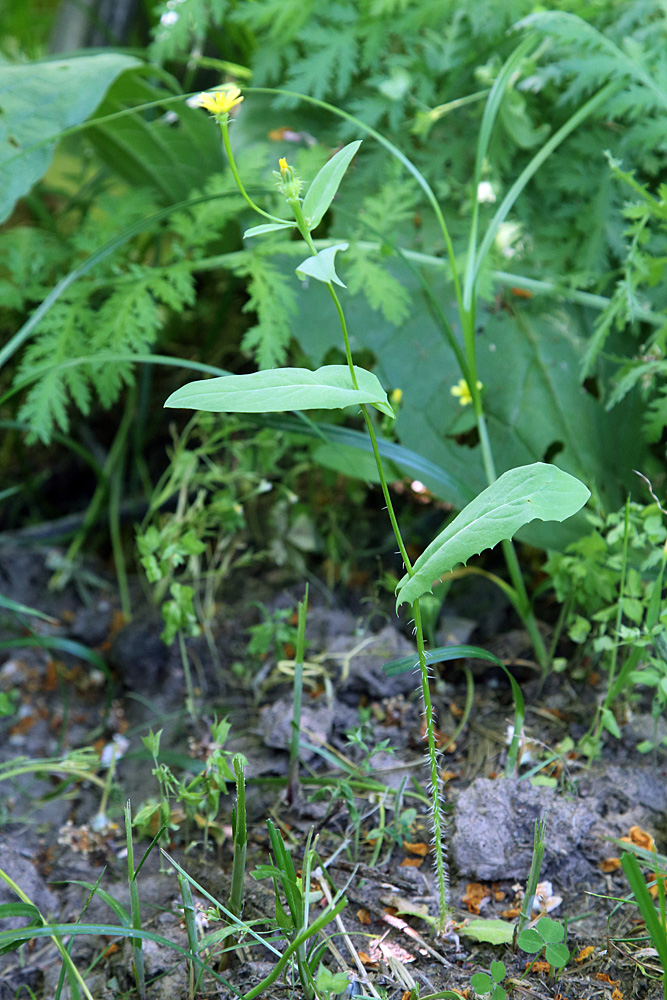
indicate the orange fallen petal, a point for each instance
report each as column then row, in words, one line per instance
column 421, row 849
column 540, row 966
column 585, row 952
column 617, row 995
column 411, row 863
column 602, row 977
column 475, row 896
column 610, row 864
column 510, row 914
column 653, row 889
column 642, row 838
column 363, row 916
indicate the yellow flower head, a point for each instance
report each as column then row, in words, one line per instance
column 462, row 390
column 220, row 102
column 396, row 397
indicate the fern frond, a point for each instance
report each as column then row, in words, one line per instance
column 655, row 420
column 329, row 63
column 127, row 321
column 178, row 25
column 364, row 273
column 272, row 298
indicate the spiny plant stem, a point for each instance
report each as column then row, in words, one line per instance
column 436, row 785
column 441, row 870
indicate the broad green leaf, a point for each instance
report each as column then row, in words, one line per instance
column 323, row 188
column 491, row 931
column 516, row 498
column 557, row 955
column 528, row 361
column 269, row 227
column 322, row 266
column 482, row 982
column 436, row 479
column 498, row 971
column 348, row 461
column 280, row 389
column 530, row 941
column 550, row 930
column 38, row 102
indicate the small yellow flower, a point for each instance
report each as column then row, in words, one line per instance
column 462, row 390
column 396, row 397
column 220, row 102
column 282, row 163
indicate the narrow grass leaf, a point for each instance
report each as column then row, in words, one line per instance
column 646, row 906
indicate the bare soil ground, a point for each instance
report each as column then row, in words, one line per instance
column 49, row 845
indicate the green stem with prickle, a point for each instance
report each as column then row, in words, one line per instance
column 436, row 812
column 440, row 862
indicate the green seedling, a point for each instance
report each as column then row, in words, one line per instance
column 330, row 984
column 490, row 982
column 293, row 915
column 513, row 500
column 240, row 839
column 137, row 949
column 272, row 634
column 546, row 938
column 539, row 844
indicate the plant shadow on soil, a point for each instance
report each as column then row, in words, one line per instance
column 47, row 845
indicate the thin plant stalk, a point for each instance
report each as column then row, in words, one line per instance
column 293, row 774
column 190, row 699
column 240, row 836
column 189, row 913
column 135, row 909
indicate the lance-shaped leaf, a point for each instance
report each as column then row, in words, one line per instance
column 269, row 227
column 280, row 389
column 323, row 189
column 518, row 497
column 322, row 265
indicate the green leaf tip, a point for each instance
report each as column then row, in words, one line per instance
column 323, row 189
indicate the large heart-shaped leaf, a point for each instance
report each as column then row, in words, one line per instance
column 323, row 189
column 39, row 101
column 279, row 389
column 516, row 498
